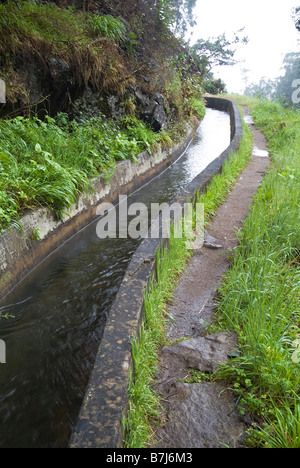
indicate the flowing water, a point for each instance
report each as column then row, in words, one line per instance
column 61, row 308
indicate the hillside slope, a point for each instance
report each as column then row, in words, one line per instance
column 117, row 58
column 85, row 89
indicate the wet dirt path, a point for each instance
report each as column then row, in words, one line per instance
column 202, row 415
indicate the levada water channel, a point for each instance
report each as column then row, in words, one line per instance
column 60, row 311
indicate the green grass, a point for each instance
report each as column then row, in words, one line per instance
column 198, row 107
column 60, row 28
column 99, row 50
column 144, row 403
column 50, row 163
column 259, row 298
column 108, row 26
column 241, row 100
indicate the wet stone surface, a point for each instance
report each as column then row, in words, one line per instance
column 204, row 353
column 201, row 411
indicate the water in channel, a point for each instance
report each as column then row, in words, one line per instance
column 61, row 308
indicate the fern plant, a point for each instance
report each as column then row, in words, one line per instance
column 108, row 26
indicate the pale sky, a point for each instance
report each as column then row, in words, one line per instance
column 270, row 30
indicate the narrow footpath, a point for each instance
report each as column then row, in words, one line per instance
column 204, row 415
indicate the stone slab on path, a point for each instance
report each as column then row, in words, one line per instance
column 202, row 412
column 204, row 353
column 204, row 415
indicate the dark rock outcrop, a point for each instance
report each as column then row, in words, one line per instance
column 155, row 113
column 150, row 108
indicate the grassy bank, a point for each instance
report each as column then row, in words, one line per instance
column 144, row 405
column 259, row 298
column 50, row 163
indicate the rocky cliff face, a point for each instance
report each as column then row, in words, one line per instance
column 51, row 87
column 72, row 62
column 150, row 107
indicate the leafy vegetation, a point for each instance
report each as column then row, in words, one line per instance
column 49, row 161
column 102, row 51
column 177, row 14
column 214, row 52
column 219, row 51
column 108, row 26
column 259, row 298
column 296, row 17
column 43, row 163
column 284, row 88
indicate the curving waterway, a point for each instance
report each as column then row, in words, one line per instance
column 60, row 311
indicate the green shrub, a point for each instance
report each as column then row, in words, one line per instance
column 108, row 26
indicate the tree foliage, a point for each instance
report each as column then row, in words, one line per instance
column 296, row 17
column 264, row 89
column 218, row 51
column 287, row 83
column 286, row 88
column 177, row 14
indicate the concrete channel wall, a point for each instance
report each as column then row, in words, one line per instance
column 99, row 422
column 20, row 253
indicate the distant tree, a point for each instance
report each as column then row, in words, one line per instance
column 286, row 88
column 265, row 89
column 214, row 86
column 217, row 52
column 177, row 14
column 296, row 17
column 289, row 83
